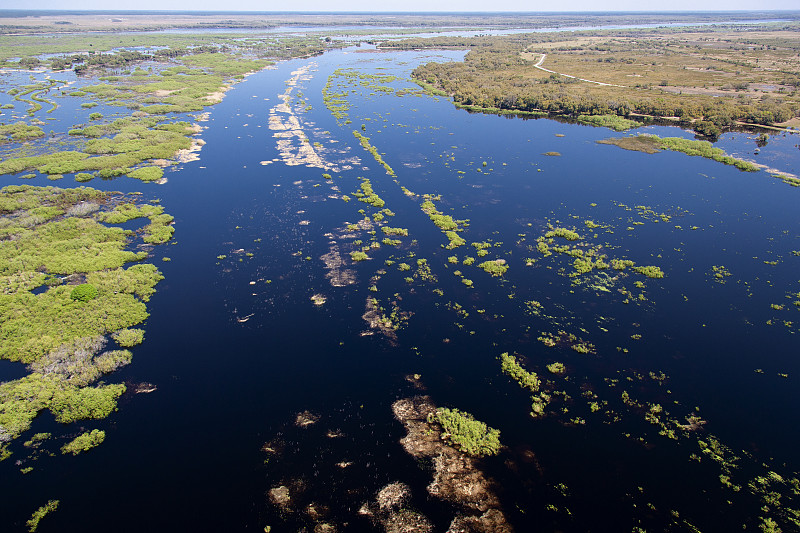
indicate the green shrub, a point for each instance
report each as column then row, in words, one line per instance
column 147, row 173
column 41, row 512
column 465, row 433
column 649, row 271
column 84, row 442
column 69, row 405
column 494, row 267
column 614, row 122
column 19, row 132
column 562, row 232
column 84, row 292
column 128, row 337
column 510, row 367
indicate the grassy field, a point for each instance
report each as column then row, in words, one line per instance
column 713, row 77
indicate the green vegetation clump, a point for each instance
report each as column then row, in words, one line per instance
column 85, row 403
column 465, row 433
column 652, row 143
column 19, row 132
column 147, row 173
column 563, row 233
column 556, row 368
column 707, row 150
column 445, row 223
column 621, row 264
column 368, row 196
column 430, row 89
column 128, row 211
column 128, row 337
column 36, row 439
column 525, row 379
column 649, row 271
column 442, row 221
column 22, row 400
column 581, row 348
column 84, row 442
column 720, row 273
column 394, row 231
column 358, row 256
column 789, row 180
column 496, row 268
column 364, row 140
column 136, row 280
column 339, row 84
column 586, row 259
column 160, row 229
column 63, row 246
column 134, row 141
column 46, row 232
column 84, row 292
column 110, row 361
column 41, row 512
column 615, row 122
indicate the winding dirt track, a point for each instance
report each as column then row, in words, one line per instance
column 538, row 65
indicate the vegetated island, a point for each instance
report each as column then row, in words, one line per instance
column 651, row 144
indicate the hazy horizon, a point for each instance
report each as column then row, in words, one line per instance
column 406, row 7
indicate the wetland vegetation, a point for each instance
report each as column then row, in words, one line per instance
column 55, row 239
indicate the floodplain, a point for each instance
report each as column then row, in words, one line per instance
column 371, row 274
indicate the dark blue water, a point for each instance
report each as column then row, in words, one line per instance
column 188, row 456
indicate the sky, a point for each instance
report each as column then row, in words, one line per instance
column 407, row 5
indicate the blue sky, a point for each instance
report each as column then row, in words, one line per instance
column 408, row 5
